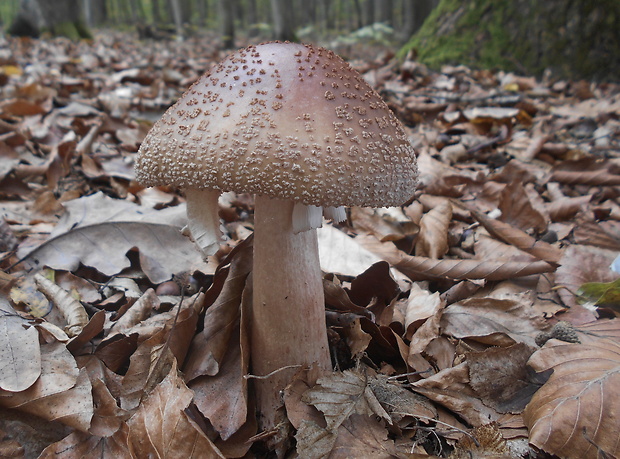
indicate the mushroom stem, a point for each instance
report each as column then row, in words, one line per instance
column 288, row 310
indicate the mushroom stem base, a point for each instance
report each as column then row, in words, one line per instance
column 288, row 310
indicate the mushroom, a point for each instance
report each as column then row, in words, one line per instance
column 298, row 127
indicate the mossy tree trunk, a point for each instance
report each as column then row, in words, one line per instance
column 56, row 17
column 572, row 38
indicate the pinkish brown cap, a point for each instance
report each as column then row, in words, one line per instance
column 284, row 120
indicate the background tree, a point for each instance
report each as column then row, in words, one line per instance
column 578, row 39
column 283, row 20
column 58, row 17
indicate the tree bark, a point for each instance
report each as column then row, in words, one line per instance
column 283, row 20
column 575, row 39
column 227, row 18
column 58, row 17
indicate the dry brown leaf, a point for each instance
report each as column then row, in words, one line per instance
column 108, row 417
column 163, row 250
column 221, row 319
column 70, row 308
column 520, row 239
column 518, row 211
column 363, row 436
column 162, row 428
column 20, row 354
column 314, row 441
column 339, row 395
column 149, row 364
column 375, row 222
column 564, row 209
column 451, row 389
column 61, row 393
column 581, row 264
column 399, row 402
column 432, row 241
column 603, row 234
column 499, row 377
column 79, row 445
column 136, row 313
column 421, row 305
column 223, row 398
column 589, row 171
column 421, row 268
column 492, row 321
column 575, row 415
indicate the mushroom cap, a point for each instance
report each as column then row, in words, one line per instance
column 284, row 120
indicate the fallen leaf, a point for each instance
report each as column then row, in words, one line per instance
column 162, row 428
column 163, row 250
column 79, row 445
column 432, row 241
column 575, row 414
column 491, row 321
column 62, row 392
column 20, row 355
column 500, row 378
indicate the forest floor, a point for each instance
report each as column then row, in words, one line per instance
column 477, row 320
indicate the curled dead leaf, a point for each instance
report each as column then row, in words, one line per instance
column 71, row 309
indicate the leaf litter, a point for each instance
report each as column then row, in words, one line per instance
column 479, row 319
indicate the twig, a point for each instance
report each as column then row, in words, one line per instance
column 269, row 375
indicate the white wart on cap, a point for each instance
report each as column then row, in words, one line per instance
column 283, row 120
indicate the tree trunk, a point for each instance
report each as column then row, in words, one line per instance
column 576, row 39
column 283, row 20
column 227, row 19
column 58, row 17
column 177, row 15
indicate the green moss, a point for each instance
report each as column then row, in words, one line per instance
column 580, row 40
column 72, row 30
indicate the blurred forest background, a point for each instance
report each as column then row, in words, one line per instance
column 576, row 39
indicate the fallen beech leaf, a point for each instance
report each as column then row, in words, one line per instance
column 399, row 402
column 163, row 250
column 520, row 239
column 587, row 172
column 450, row 388
column 108, row 417
column 565, row 209
column 221, row 319
column 314, row 441
column 62, row 393
column 21, row 107
column 20, row 355
column 79, row 445
column 499, row 377
column 363, row 436
column 517, row 209
column 492, row 321
column 223, row 398
column 339, row 395
column 137, row 312
column 422, row 268
column 421, row 305
column 382, row 226
column 432, row 241
column 580, row 265
column 162, row 428
column 575, row 412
